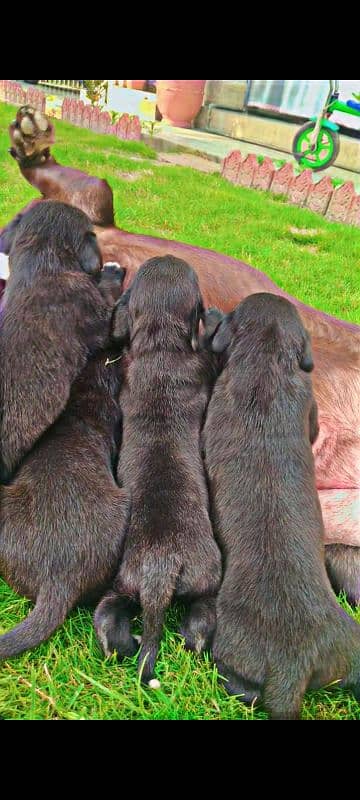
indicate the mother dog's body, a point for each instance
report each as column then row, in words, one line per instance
column 224, row 281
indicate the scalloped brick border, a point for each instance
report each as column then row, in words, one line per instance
column 337, row 205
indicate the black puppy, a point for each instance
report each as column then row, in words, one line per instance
column 169, row 548
column 279, row 628
column 54, row 319
column 62, row 518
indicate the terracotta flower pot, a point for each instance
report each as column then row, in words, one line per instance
column 135, row 84
column 180, row 101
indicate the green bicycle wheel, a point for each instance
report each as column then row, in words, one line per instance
column 325, row 153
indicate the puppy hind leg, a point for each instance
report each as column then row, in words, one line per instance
column 112, row 622
column 198, row 626
column 160, row 573
column 234, row 684
column 352, row 680
column 284, row 691
column 343, row 568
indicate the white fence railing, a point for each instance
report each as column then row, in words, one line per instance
column 74, row 86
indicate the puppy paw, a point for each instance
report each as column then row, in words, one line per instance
column 113, row 268
column 198, row 627
column 112, row 622
column 234, row 684
column 110, row 282
column 115, row 641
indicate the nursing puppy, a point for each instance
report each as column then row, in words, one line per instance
column 62, row 518
column 279, row 628
column 54, row 318
column 169, row 548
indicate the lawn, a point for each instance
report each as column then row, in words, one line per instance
column 67, row 677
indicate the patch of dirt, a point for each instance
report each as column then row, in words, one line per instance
column 133, row 176
column 308, row 232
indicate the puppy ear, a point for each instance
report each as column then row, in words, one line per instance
column 8, row 235
column 89, row 254
column 195, row 319
column 120, row 327
column 222, row 336
column 306, row 362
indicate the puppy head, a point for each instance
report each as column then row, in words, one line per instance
column 165, row 295
column 49, row 239
column 268, row 323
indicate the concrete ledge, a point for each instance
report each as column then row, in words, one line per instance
column 272, row 133
column 226, row 94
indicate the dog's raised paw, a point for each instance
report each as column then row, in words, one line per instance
column 31, row 135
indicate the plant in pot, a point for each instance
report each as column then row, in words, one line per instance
column 180, row 101
column 96, row 91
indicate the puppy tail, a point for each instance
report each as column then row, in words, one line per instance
column 50, row 611
column 158, row 588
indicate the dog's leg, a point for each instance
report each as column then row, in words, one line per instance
column 234, row 684
column 199, row 624
column 343, row 567
column 31, row 135
column 325, row 676
column 112, row 621
column 284, row 691
column 352, row 682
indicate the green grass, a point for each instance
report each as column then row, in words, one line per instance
column 67, row 677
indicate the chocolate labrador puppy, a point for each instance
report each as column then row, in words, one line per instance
column 63, row 517
column 279, row 627
column 169, row 548
column 54, row 318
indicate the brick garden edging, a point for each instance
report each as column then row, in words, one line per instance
column 338, row 205
column 75, row 111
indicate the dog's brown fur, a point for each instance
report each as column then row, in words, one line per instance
column 224, row 281
column 279, row 628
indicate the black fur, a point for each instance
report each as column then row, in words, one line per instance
column 169, row 549
column 279, row 627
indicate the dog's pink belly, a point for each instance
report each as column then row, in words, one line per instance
column 337, row 452
column 341, row 513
